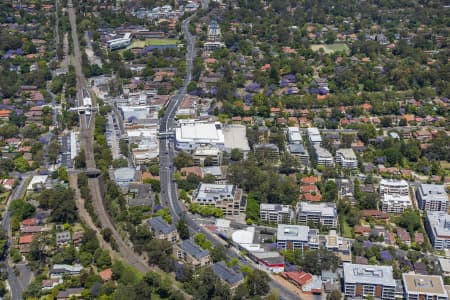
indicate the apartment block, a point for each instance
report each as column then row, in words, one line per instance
column 292, row 237
column 347, row 158
column 438, row 228
column 323, row 156
column 423, row 287
column 227, row 197
column 275, row 213
column 396, row 187
column 362, row 281
column 432, row 197
column 323, row 214
column 394, row 203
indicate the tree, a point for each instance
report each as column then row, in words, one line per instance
column 183, row 229
column 236, row 155
column 80, row 160
column 200, row 239
column 159, row 252
column 102, row 258
column 182, row 160
column 258, row 283
column 335, row 295
column 21, row 165
column 218, row 253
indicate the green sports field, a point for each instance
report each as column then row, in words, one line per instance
column 330, row 48
column 153, row 42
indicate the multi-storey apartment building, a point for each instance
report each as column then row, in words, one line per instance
column 347, row 158
column 362, row 281
column 324, row 214
column 423, row 287
column 275, row 213
column 432, row 197
column 227, row 197
column 438, row 227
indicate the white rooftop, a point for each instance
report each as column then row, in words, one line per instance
column 194, row 131
column 236, row 138
column 322, row 208
column 368, row 274
column 393, row 182
column 433, row 191
column 439, row 223
column 36, row 180
column 292, row 232
column 274, row 207
column 347, row 153
column 313, row 131
column 214, row 192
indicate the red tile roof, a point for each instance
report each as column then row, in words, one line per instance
column 26, row 239
column 29, row 222
column 106, row 275
column 299, row 278
column 310, row 180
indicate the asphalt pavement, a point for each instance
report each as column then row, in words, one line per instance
column 166, row 171
column 17, row 282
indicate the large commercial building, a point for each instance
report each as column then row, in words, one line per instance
column 275, row 213
column 395, row 187
column 292, row 237
column 394, row 203
column 227, row 197
column 323, row 214
column 432, row 197
column 192, row 134
column 438, row 227
column 423, row 287
column 347, row 158
column 362, row 281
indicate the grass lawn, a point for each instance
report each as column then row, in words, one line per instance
column 154, row 42
column 331, row 48
column 346, row 229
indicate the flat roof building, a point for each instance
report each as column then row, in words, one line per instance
column 424, row 287
column 361, row 281
column 235, row 137
column 275, row 213
column 292, row 237
column 395, row 203
column 323, row 156
column 432, row 197
column 314, row 136
column 123, row 176
column 294, row 136
column 392, row 186
column 192, row 134
column 347, row 158
column 227, row 197
column 37, row 182
column 438, row 228
column 298, row 150
column 207, row 156
column 323, row 214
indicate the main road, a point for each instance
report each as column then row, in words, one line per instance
column 16, row 284
column 168, row 194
